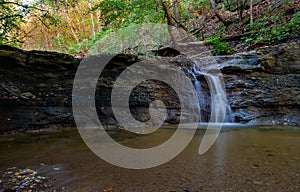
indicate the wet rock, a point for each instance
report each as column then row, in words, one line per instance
column 166, row 52
column 257, row 182
column 238, row 63
column 14, row 179
column 26, row 95
column 280, row 59
column 9, row 90
column 12, row 56
column 51, row 59
column 36, row 88
column 41, row 85
column 267, row 99
column 49, row 75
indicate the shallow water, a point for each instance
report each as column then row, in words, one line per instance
column 242, row 159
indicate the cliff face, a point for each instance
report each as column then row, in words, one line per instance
column 36, row 88
column 268, row 92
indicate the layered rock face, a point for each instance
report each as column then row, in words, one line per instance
column 267, row 91
column 262, row 87
column 35, row 89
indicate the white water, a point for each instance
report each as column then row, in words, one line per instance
column 202, row 99
column 217, row 94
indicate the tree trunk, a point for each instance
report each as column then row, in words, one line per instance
column 98, row 13
column 71, row 26
column 92, row 19
column 251, row 11
column 217, row 14
column 176, row 10
column 170, row 24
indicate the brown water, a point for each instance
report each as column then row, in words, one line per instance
column 242, row 159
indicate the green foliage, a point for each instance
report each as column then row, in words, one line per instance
column 11, row 17
column 14, row 15
column 133, row 39
column 220, row 47
column 75, row 26
column 119, row 14
column 192, row 5
column 233, row 5
column 273, row 29
column 116, row 14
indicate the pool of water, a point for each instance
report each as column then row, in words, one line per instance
column 243, row 158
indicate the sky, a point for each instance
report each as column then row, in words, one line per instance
column 27, row 1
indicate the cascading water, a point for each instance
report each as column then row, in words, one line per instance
column 218, row 97
column 203, row 101
column 212, row 98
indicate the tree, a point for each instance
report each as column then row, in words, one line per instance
column 176, row 10
column 12, row 15
column 217, row 14
column 240, row 6
column 170, row 24
column 70, row 26
column 251, row 11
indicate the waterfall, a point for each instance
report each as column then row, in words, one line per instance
column 203, row 101
column 218, row 98
column 213, row 98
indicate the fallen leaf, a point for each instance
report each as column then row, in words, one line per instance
column 108, row 189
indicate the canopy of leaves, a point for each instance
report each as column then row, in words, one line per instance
column 116, row 14
column 11, row 16
column 74, row 26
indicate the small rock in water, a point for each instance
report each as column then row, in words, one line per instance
column 42, row 85
column 26, row 95
column 9, row 190
column 56, row 168
column 183, row 180
column 14, row 179
column 257, row 182
column 270, row 155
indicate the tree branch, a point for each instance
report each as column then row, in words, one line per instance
column 10, row 16
column 226, row 23
column 192, row 34
column 24, row 6
column 179, row 24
